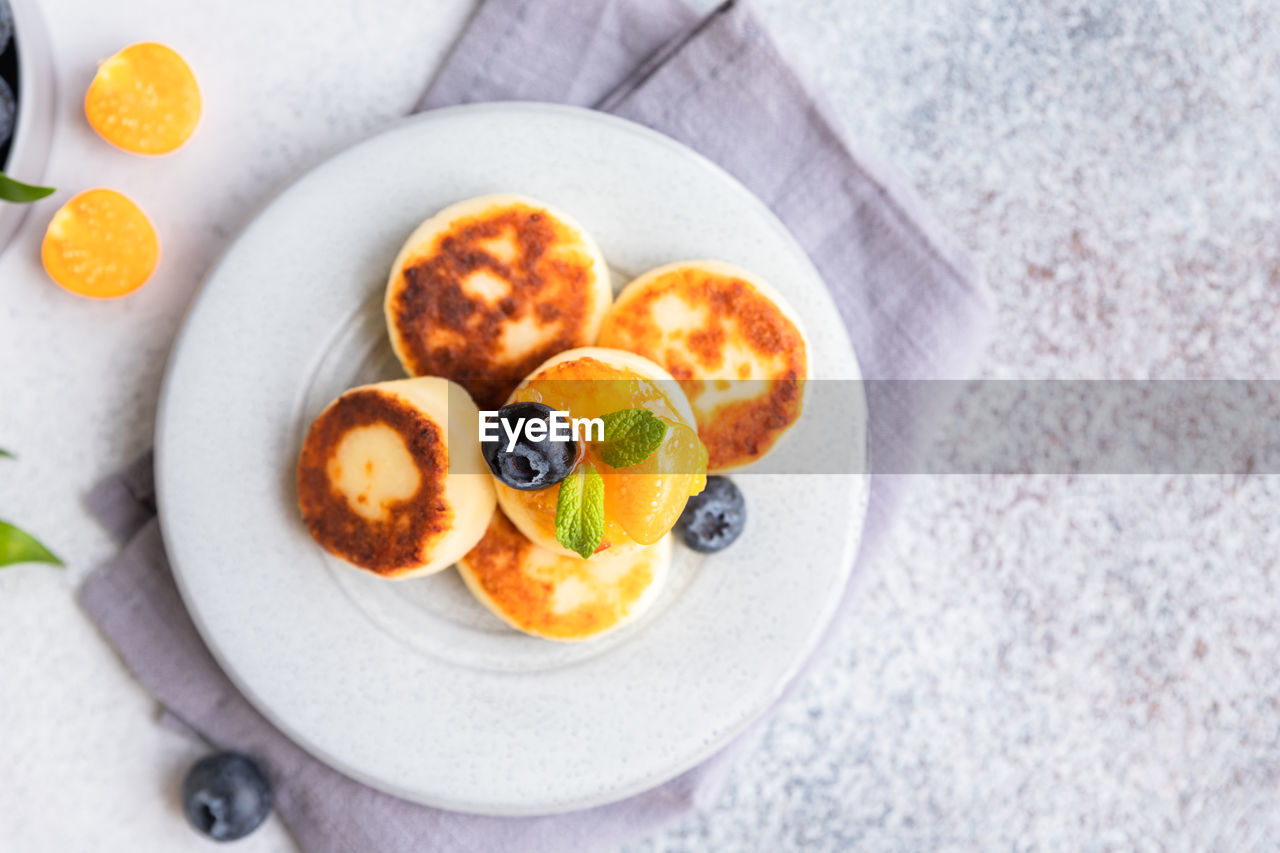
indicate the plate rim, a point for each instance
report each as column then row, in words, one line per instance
column 615, row 794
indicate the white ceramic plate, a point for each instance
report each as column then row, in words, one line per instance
column 412, row 687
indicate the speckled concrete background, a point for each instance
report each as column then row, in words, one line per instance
column 1055, row 663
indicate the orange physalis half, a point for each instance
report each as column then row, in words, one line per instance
column 100, row 244
column 144, row 100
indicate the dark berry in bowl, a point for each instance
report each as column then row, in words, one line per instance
column 225, row 796
column 6, row 24
column 714, row 518
column 8, row 112
column 529, row 465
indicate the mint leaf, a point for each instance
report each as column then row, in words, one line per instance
column 580, row 510
column 18, row 546
column 17, row 191
column 630, row 437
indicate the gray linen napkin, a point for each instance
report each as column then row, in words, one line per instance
column 914, row 304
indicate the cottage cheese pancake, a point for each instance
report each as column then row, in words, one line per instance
column 556, row 597
column 374, row 484
column 641, row 502
column 736, row 347
column 487, row 289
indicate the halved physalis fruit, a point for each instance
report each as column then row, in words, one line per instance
column 646, row 499
column 100, row 244
column 642, row 500
column 144, row 100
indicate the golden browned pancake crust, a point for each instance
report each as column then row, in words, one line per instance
column 448, row 332
column 744, row 430
column 390, row 546
column 528, row 602
column 736, row 312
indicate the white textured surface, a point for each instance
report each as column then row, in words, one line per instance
column 1054, row 663
column 86, row 765
column 1036, row 663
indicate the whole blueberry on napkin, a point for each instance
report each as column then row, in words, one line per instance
column 225, row 796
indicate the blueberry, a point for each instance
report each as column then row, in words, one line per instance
column 225, row 796
column 529, row 465
column 6, row 24
column 713, row 519
column 8, row 111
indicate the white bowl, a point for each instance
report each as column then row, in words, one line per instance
column 33, row 130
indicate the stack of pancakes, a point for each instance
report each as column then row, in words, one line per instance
column 390, row 478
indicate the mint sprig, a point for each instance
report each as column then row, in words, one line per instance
column 20, row 193
column 630, row 437
column 580, row 511
column 18, row 546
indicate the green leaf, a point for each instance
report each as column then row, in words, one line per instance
column 18, row 546
column 630, row 436
column 4, row 454
column 17, row 191
column 580, row 511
